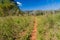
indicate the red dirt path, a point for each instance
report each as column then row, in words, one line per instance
column 34, row 32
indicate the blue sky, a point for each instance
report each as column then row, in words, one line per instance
column 39, row 4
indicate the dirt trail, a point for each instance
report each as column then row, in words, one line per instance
column 34, row 32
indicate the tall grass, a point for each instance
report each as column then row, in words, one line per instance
column 48, row 27
column 15, row 27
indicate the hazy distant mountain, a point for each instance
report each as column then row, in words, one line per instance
column 41, row 12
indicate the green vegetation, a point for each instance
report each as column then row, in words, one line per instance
column 15, row 27
column 9, row 7
column 18, row 25
column 48, row 27
column 13, row 24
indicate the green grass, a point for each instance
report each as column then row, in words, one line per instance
column 48, row 27
column 11, row 27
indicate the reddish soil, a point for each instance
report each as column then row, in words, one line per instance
column 34, row 32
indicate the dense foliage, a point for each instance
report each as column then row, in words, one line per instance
column 15, row 28
column 9, row 7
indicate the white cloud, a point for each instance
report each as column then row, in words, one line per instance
column 19, row 4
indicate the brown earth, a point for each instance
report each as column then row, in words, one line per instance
column 34, row 32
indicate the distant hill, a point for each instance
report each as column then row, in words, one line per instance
column 41, row 12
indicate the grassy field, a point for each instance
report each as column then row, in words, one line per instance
column 48, row 27
column 15, row 27
column 20, row 27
